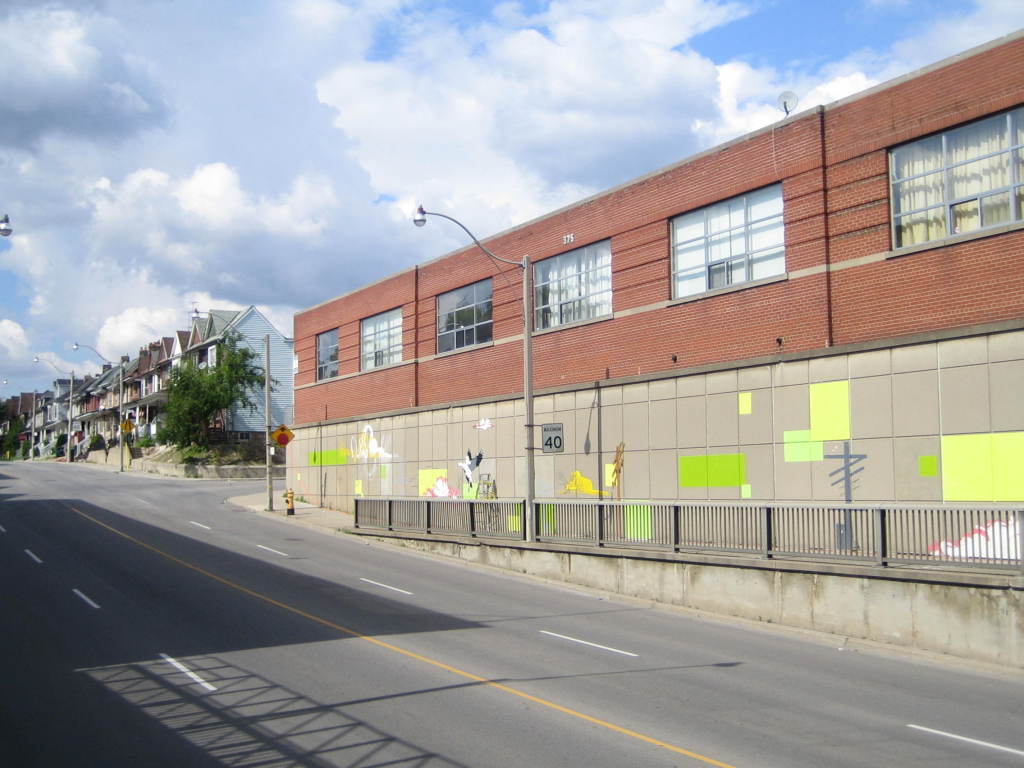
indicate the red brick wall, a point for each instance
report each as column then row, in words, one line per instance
column 938, row 288
column 973, row 282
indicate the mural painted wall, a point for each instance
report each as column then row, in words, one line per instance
column 926, row 423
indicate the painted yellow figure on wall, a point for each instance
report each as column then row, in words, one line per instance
column 579, row 483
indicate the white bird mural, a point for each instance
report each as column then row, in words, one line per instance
column 470, row 464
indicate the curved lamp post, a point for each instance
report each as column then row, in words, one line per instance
column 5, row 226
column 420, row 219
column 71, row 394
column 120, row 399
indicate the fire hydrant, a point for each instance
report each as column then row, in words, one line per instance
column 290, row 497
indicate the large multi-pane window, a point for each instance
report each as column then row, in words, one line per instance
column 381, row 339
column 728, row 243
column 327, row 354
column 958, row 181
column 464, row 316
column 573, row 286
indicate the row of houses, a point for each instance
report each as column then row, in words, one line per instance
column 133, row 390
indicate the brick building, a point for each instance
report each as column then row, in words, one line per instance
column 845, row 284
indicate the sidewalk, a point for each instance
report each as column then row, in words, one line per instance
column 306, row 515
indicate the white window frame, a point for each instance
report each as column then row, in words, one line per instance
column 573, row 287
column 465, row 316
column 958, row 189
column 326, row 369
column 729, row 243
column 380, row 340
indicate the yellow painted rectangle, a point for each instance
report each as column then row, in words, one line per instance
column 967, row 468
column 428, row 477
column 746, row 403
column 1008, row 466
column 830, row 410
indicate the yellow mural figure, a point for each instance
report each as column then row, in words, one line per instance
column 578, row 483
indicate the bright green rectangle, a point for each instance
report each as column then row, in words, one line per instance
column 928, row 466
column 798, row 446
column 746, row 403
column 720, row 470
column 547, row 519
column 331, row 458
column 745, row 491
column 638, row 522
column 469, row 490
column 830, row 410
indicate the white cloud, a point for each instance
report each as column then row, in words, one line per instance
column 13, row 340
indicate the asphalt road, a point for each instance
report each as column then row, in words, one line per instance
column 146, row 622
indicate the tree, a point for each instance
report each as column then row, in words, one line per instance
column 9, row 443
column 196, row 395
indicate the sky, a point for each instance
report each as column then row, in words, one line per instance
column 162, row 155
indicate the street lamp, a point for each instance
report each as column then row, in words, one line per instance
column 5, row 226
column 71, row 394
column 420, row 219
column 120, row 399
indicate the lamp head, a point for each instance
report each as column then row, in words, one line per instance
column 5, row 226
column 74, row 346
column 35, row 359
column 420, row 218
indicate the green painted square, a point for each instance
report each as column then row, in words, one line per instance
column 547, row 519
column 746, row 403
column 719, row 470
column 745, row 492
column 469, row 490
column 638, row 522
column 799, row 447
column 928, row 466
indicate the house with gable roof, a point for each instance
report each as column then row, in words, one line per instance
column 251, row 326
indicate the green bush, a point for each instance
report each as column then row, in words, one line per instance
column 96, row 441
column 146, row 442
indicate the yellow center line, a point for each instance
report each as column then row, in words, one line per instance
column 410, row 654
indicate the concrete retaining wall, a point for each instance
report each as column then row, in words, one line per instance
column 983, row 623
column 226, row 471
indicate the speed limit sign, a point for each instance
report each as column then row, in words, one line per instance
column 551, row 439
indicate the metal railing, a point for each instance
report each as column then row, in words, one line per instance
column 990, row 537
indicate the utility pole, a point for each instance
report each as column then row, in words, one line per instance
column 266, row 411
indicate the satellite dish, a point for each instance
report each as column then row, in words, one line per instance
column 787, row 101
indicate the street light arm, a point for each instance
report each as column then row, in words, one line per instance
column 419, row 221
column 76, row 345
column 38, row 359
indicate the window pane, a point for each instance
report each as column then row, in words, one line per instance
column 718, row 248
column 765, row 202
column 767, row 265
column 769, row 234
column 995, row 209
column 918, row 193
column 921, row 227
column 483, row 333
column 718, row 218
column 980, row 176
column 688, row 227
column 917, row 158
column 445, row 342
column 978, row 138
column 718, row 276
column 966, row 217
